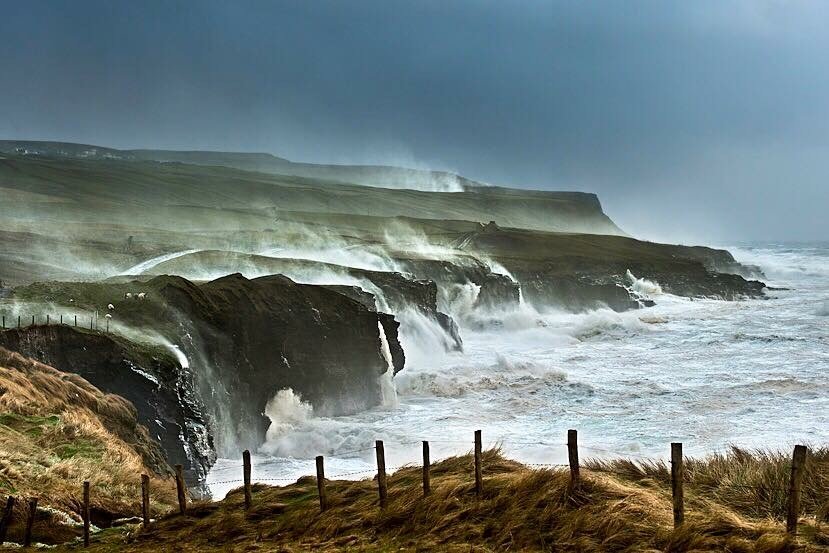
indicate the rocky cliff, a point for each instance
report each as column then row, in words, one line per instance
column 240, row 342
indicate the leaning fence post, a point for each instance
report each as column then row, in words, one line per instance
column 30, row 521
column 381, row 472
column 677, row 479
column 145, row 499
column 182, row 498
column 793, row 507
column 479, row 486
column 47, row 319
column 7, row 518
column 86, row 513
column 427, row 480
column 573, row 455
column 246, row 476
column 321, row 482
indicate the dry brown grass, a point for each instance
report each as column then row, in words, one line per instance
column 751, row 482
column 521, row 510
column 57, row 430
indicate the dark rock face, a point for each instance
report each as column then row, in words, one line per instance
column 708, row 284
column 252, row 338
column 398, row 292
column 495, row 289
column 575, row 293
column 355, row 293
column 161, row 391
column 391, row 328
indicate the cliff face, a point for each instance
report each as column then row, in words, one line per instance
column 390, row 291
column 252, row 338
column 242, row 341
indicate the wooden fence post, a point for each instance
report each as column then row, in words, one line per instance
column 321, row 483
column 86, row 513
column 573, row 455
column 427, row 477
column 47, row 319
column 76, row 320
column 7, row 518
column 61, row 319
column 246, row 476
column 677, row 480
column 182, row 497
column 18, row 321
column 479, row 485
column 30, row 521
column 793, row 506
column 145, row 499
column 381, row 472
column 33, row 320
column 4, row 326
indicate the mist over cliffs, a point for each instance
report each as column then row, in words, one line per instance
column 207, row 283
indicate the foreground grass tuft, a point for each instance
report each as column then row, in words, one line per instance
column 619, row 506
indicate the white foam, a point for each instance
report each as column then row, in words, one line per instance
column 643, row 286
column 387, row 390
column 145, row 266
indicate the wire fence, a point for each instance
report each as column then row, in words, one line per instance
column 90, row 321
column 636, row 459
column 678, row 477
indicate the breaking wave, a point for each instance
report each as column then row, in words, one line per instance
column 643, row 286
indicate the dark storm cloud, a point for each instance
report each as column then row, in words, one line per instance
column 705, row 120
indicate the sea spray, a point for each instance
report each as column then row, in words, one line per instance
column 459, row 300
column 286, row 411
column 388, row 392
column 423, row 339
column 643, row 286
column 147, row 265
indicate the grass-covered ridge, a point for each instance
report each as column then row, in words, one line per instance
column 56, row 431
column 618, row 506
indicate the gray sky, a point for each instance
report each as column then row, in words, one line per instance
column 704, row 121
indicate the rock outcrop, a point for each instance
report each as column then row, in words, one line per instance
column 240, row 340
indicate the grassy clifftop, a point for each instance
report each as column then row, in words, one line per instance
column 734, row 503
column 57, row 430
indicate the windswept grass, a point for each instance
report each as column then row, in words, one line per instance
column 751, row 482
column 617, row 507
column 57, row 430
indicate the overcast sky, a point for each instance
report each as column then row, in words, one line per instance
column 704, row 121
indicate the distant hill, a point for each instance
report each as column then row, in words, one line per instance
column 55, row 176
column 382, row 176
